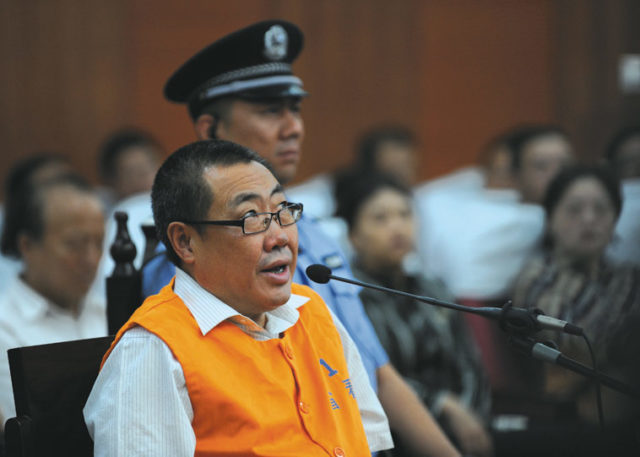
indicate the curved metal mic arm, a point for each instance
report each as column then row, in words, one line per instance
column 546, row 353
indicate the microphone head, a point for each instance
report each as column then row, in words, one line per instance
column 318, row 273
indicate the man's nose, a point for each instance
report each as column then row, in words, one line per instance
column 292, row 124
column 276, row 235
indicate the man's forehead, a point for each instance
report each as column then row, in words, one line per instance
column 241, row 182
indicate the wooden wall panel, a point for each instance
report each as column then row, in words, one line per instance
column 455, row 71
column 357, row 64
column 590, row 37
column 486, row 66
column 63, row 81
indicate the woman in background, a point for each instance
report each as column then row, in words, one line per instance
column 430, row 346
column 572, row 280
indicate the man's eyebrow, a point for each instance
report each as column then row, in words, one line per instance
column 277, row 190
column 248, row 196
column 241, row 198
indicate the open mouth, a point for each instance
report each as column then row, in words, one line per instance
column 277, row 269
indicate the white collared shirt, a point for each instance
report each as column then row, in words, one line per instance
column 626, row 243
column 477, row 241
column 27, row 318
column 140, row 405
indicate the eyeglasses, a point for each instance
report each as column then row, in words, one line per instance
column 260, row 222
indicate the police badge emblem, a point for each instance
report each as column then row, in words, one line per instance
column 275, row 43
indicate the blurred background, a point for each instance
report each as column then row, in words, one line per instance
column 456, row 72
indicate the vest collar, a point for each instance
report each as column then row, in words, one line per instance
column 209, row 311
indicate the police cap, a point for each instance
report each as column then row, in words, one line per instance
column 254, row 62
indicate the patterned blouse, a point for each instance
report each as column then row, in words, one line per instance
column 606, row 304
column 430, row 347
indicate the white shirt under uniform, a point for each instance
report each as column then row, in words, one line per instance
column 140, row 406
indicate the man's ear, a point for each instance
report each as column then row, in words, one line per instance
column 24, row 243
column 180, row 236
column 206, row 126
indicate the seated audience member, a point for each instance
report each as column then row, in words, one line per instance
column 623, row 155
column 430, row 346
column 573, row 280
column 32, row 169
column 476, row 241
column 538, row 153
column 55, row 227
column 245, row 362
column 386, row 149
column 128, row 161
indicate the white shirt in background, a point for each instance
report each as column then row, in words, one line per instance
column 27, row 319
column 477, row 242
column 626, row 243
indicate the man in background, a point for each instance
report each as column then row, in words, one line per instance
column 623, row 155
column 127, row 163
column 55, row 227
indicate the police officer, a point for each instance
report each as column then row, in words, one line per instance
column 241, row 88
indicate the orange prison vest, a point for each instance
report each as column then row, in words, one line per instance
column 289, row 396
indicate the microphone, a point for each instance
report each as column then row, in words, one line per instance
column 515, row 319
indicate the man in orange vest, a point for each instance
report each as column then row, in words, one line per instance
column 231, row 357
column 242, row 88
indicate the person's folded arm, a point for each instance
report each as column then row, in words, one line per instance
column 409, row 418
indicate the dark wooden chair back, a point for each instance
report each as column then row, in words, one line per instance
column 125, row 283
column 51, row 384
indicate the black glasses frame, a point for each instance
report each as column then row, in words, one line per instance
column 240, row 222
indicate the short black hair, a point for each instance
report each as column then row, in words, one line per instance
column 23, row 171
column 566, row 177
column 370, row 142
column 180, row 191
column 619, row 139
column 115, row 144
column 24, row 210
column 520, row 137
column 353, row 189
column 218, row 108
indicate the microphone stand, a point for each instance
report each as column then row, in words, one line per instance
column 520, row 325
column 546, row 353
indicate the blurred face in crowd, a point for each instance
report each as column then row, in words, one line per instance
column 542, row 158
column 627, row 159
column 383, row 230
column 251, row 273
column 61, row 266
column 582, row 223
column 272, row 128
column 135, row 169
column 498, row 169
column 398, row 160
column 49, row 170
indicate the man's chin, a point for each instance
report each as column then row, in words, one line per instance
column 286, row 173
column 278, row 299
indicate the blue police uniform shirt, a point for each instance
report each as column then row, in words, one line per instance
column 313, row 247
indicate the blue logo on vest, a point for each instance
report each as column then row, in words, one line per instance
column 329, row 369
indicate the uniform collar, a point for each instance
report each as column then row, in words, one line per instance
column 209, row 311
